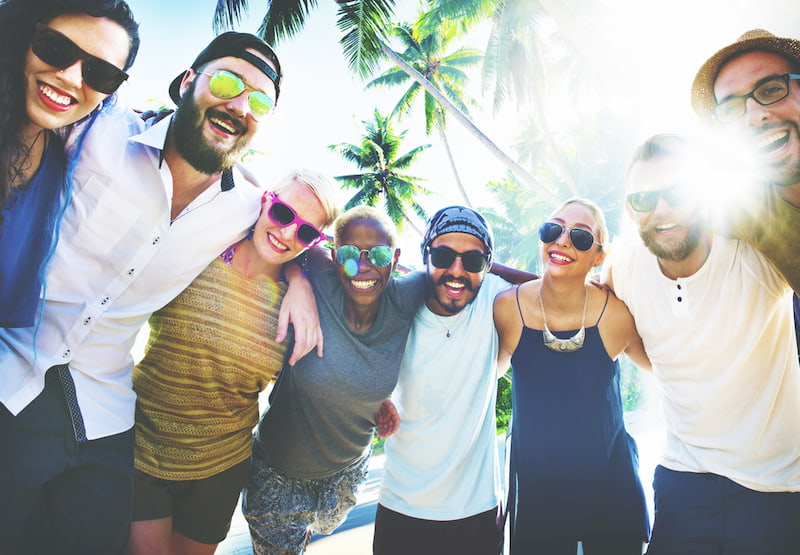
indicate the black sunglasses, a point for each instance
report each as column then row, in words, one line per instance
column 646, row 201
column 581, row 239
column 55, row 49
column 473, row 261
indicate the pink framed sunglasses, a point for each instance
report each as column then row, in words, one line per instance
column 281, row 214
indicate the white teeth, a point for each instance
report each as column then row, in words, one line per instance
column 560, row 257
column 274, row 242
column 363, row 284
column 665, row 227
column 54, row 96
column 454, row 284
column 224, row 125
column 775, row 137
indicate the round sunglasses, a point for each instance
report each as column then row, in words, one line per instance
column 57, row 50
column 281, row 214
column 226, row 85
column 379, row 256
column 581, row 239
column 443, row 258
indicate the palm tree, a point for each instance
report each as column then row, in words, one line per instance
column 364, row 24
column 377, row 155
column 426, row 54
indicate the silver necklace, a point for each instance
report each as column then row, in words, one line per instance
column 564, row 345
column 446, row 328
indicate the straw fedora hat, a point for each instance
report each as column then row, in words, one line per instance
column 756, row 39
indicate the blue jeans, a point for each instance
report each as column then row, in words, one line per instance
column 57, row 494
column 707, row 514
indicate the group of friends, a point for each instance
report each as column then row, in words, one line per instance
column 110, row 219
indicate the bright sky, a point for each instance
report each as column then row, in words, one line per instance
column 649, row 50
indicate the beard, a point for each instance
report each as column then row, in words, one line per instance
column 451, row 306
column 674, row 251
column 187, row 127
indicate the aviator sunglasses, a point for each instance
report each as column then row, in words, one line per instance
column 56, row 50
column 283, row 215
column 443, row 258
column 646, row 201
column 226, row 85
column 581, row 239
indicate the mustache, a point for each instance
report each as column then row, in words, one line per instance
column 219, row 114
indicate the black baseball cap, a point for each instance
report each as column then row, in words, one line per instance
column 234, row 44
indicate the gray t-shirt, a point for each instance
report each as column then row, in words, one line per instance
column 322, row 410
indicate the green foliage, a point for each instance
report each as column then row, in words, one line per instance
column 630, row 385
column 503, row 406
column 383, row 170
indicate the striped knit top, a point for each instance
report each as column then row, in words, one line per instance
column 210, row 352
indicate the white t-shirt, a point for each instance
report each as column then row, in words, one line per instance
column 442, row 464
column 724, row 353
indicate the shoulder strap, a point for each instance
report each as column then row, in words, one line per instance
column 518, row 305
column 604, row 309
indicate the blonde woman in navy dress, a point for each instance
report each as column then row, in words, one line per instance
column 573, row 466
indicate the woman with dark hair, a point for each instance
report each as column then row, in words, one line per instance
column 60, row 61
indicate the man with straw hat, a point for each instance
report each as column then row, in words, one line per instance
column 750, row 90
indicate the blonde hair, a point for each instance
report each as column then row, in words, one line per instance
column 597, row 212
column 364, row 212
column 322, row 185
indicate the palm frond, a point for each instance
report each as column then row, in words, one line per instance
column 228, row 14
column 364, row 24
column 284, row 19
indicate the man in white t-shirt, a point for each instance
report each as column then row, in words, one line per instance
column 715, row 317
column 440, row 489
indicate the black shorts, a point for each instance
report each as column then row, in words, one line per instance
column 201, row 510
column 399, row 534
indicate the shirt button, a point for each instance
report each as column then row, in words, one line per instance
column 66, row 353
column 104, row 301
column 87, row 320
column 130, row 272
column 156, row 240
column 680, row 299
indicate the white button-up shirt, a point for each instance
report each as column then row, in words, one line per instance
column 118, row 259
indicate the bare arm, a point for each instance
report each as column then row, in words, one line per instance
column 619, row 334
column 299, row 308
column 509, row 327
column 511, row 275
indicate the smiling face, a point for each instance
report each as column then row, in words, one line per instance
column 212, row 133
column 276, row 244
column 561, row 257
column 671, row 233
column 365, row 286
column 772, row 131
column 452, row 289
column 57, row 97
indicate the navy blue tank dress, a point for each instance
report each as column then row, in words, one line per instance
column 573, row 466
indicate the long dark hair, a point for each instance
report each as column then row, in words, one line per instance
column 18, row 19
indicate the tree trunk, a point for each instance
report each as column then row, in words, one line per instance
column 459, row 184
column 452, row 109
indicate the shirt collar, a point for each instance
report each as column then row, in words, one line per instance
column 155, row 136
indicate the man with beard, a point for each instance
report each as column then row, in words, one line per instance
column 440, row 492
column 715, row 317
column 153, row 203
column 750, row 90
